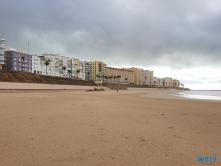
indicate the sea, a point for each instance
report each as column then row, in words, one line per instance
column 201, row 94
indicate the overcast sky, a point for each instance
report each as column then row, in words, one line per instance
column 175, row 38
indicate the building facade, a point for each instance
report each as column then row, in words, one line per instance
column 138, row 75
column 98, row 70
column 158, row 81
column 168, row 82
column 75, row 66
column 176, row 83
column 87, row 70
column 2, row 49
column 120, row 75
column 147, row 77
column 18, row 61
column 36, row 64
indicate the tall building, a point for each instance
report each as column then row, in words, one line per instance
column 37, row 66
column 18, row 61
column 120, row 75
column 76, row 68
column 147, row 77
column 87, row 70
column 98, row 70
column 2, row 49
column 138, row 75
column 53, row 68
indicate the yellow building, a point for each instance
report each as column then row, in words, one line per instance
column 98, row 69
column 176, row 83
column 138, row 76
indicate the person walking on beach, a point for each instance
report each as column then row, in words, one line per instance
column 117, row 90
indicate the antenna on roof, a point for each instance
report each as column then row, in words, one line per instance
column 28, row 47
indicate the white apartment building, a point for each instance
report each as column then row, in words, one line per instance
column 147, row 77
column 63, row 62
column 168, row 81
column 176, row 83
column 74, row 65
column 158, row 81
column 36, row 64
column 53, row 67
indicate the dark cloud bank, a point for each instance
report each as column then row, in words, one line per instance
column 177, row 34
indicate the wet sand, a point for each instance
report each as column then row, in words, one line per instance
column 106, row 128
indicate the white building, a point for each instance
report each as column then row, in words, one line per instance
column 36, row 64
column 75, row 65
column 63, row 66
column 52, row 68
column 168, row 81
column 147, row 77
column 176, row 83
column 158, row 81
column 2, row 48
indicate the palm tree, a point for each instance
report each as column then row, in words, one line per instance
column 119, row 76
column 98, row 76
column 103, row 77
column 64, row 68
column 78, row 71
column 69, row 71
column 115, row 78
column 23, row 59
column 46, row 64
column 88, row 74
column 106, row 77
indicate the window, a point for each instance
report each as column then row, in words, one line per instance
column 14, row 63
column 15, row 68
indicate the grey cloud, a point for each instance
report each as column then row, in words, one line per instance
column 178, row 34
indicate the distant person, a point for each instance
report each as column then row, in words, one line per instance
column 117, row 90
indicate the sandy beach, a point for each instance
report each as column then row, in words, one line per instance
column 131, row 128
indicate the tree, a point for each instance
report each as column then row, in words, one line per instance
column 78, row 71
column 103, row 77
column 64, row 68
column 23, row 59
column 46, row 64
column 119, row 76
column 106, row 77
column 98, row 76
column 115, row 78
column 69, row 71
column 88, row 74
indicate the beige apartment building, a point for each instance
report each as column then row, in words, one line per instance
column 138, row 77
column 158, row 81
column 176, row 83
column 166, row 81
column 147, row 77
column 120, row 75
column 98, row 70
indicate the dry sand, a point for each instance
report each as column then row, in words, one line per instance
column 106, row 128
